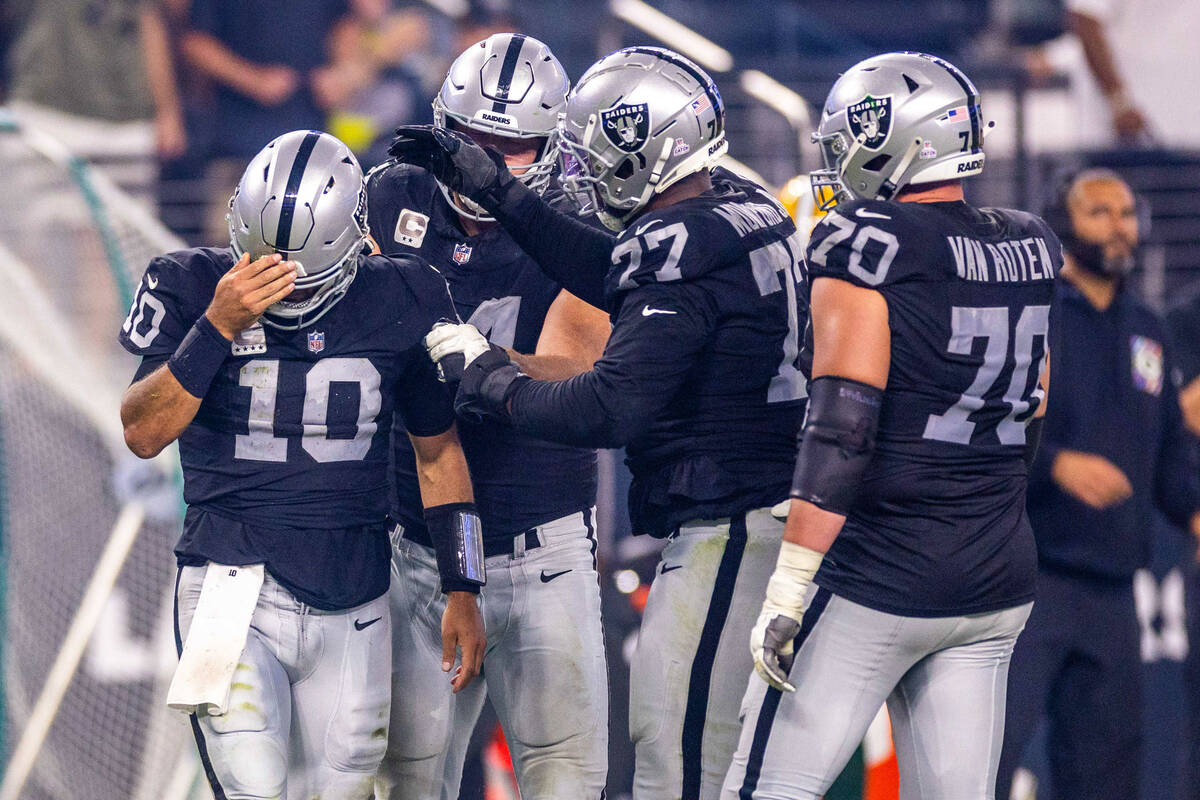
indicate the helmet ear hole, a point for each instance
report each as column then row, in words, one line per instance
column 625, row 170
column 877, row 163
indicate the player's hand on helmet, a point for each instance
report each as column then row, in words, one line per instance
column 771, row 644
column 463, row 639
column 1091, row 479
column 247, row 290
column 460, row 164
column 453, row 346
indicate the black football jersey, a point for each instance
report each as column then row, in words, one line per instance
column 700, row 379
column 520, row 481
column 286, row 460
column 939, row 525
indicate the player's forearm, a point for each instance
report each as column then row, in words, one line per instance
column 583, row 411
column 811, row 526
column 442, row 470
column 549, row 367
column 155, row 411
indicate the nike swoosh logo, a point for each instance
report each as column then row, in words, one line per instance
column 665, row 569
column 151, row 283
column 358, row 626
column 862, row 212
column 547, row 578
column 638, row 231
column 647, row 311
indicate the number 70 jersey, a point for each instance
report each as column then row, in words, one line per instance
column 968, row 293
column 293, row 432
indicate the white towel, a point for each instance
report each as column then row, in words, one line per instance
column 215, row 639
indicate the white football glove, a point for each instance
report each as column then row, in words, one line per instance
column 448, row 339
column 773, row 636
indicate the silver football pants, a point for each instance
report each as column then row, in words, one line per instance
column 944, row 680
column 544, row 670
column 308, row 706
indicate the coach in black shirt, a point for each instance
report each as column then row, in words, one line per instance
column 1114, row 447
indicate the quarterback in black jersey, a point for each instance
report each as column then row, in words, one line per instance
column 907, row 569
column 535, row 498
column 277, row 363
column 699, row 381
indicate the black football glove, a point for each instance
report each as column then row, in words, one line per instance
column 486, row 384
column 461, row 165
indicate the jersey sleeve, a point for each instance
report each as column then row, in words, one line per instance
column 424, row 403
column 172, row 295
column 859, row 244
column 658, row 334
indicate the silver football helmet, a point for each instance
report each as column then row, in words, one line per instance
column 303, row 196
column 639, row 120
column 507, row 85
column 895, row 120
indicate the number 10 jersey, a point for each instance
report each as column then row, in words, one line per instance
column 939, row 525
column 285, row 463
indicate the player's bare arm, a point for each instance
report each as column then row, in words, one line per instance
column 572, row 340
column 442, row 472
column 852, row 353
column 156, row 409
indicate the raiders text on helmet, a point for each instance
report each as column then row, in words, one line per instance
column 639, row 120
column 896, row 120
column 303, row 196
column 507, row 85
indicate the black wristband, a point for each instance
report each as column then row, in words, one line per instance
column 456, row 533
column 199, row 357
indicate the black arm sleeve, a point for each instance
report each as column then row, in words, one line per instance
column 572, row 253
column 644, row 365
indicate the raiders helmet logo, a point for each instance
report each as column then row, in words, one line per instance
column 871, row 118
column 626, row 126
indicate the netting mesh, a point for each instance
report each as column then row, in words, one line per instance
column 70, row 249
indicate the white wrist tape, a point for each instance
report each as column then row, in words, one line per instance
column 789, row 582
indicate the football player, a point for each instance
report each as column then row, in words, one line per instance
column 699, row 381
column 907, row 568
column 277, row 363
column 536, row 498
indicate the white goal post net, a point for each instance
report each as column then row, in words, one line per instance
column 86, row 530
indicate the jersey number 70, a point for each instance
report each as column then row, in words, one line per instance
column 992, row 324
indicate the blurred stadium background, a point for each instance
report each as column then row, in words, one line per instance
column 115, row 145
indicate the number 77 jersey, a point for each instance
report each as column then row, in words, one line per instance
column 939, row 526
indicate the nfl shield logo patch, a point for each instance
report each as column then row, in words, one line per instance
column 626, row 125
column 462, row 253
column 871, row 118
column 316, row 341
column 1147, row 356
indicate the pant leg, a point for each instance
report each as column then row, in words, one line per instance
column 244, row 751
column 547, row 673
column 948, row 711
column 423, row 705
column 340, row 702
column 1038, row 659
column 1096, row 712
column 468, row 707
column 848, row 658
column 1190, row 785
column 692, row 659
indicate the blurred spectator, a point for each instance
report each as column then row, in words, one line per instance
column 1183, row 326
column 98, row 76
column 368, row 84
column 1127, row 61
column 263, row 57
column 1114, row 447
